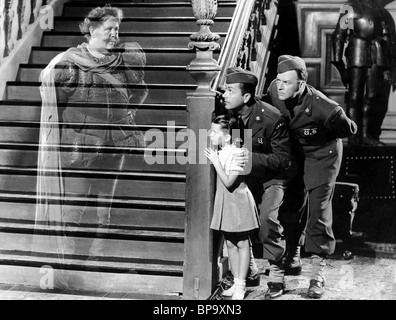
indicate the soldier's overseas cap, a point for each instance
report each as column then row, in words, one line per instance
column 287, row 63
column 239, row 75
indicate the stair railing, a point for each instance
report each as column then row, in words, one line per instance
column 243, row 47
column 248, row 42
column 234, row 40
column 22, row 23
column 15, row 17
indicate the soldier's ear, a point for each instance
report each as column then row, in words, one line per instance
column 246, row 97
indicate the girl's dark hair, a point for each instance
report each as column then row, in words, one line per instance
column 99, row 15
column 226, row 122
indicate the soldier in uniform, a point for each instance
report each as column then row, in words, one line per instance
column 370, row 68
column 316, row 125
column 271, row 165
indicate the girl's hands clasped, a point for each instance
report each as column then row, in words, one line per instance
column 211, row 155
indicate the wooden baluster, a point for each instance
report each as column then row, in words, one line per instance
column 20, row 10
column 3, row 30
column 8, row 26
column 250, row 40
column 253, row 33
column 33, row 11
column 259, row 21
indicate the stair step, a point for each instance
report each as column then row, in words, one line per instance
column 115, row 203
column 154, row 56
column 156, row 93
column 15, row 239
column 144, row 24
column 127, row 216
column 33, row 292
column 128, row 185
column 112, row 232
column 144, row 267
column 20, row 155
column 110, row 243
column 91, row 276
column 145, row 39
column 153, row 75
column 155, row 114
column 158, row 9
column 109, row 174
column 28, row 132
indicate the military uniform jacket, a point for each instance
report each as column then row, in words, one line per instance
column 318, row 125
column 270, row 146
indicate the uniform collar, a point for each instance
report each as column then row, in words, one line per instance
column 303, row 101
column 256, row 118
column 306, row 101
column 245, row 118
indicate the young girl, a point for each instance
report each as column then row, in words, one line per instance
column 235, row 212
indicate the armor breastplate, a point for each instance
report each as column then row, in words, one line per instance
column 366, row 43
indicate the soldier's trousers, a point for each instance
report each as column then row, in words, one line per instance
column 293, row 213
column 271, row 231
column 319, row 237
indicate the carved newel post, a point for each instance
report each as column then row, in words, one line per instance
column 199, row 276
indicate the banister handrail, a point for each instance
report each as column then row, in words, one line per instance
column 234, row 38
column 248, row 40
column 15, row 17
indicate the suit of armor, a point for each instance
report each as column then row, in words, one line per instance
column 370, row 67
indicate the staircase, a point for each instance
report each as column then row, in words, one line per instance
column 144, row 244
